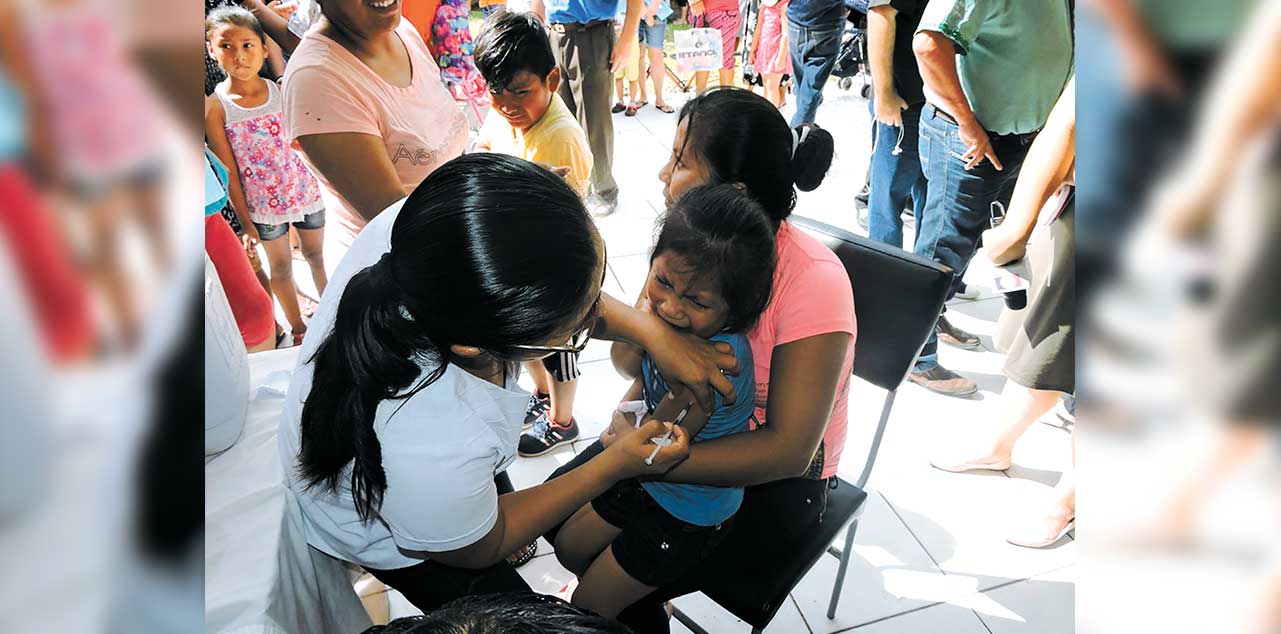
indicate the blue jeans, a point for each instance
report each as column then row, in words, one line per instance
column 958, row 202
column 813, row 51
column 894, row 178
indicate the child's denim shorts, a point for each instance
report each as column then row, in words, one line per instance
column 652, row 36
column 267, row 233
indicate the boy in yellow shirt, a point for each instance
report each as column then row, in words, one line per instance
column 528, row 120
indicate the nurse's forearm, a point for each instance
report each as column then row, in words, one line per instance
column 620, row 322
column 529, row 513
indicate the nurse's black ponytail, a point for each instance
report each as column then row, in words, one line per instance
column 467, row 266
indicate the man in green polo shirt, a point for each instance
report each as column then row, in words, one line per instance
column 992, row 69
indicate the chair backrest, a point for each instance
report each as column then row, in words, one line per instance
column 897, row 297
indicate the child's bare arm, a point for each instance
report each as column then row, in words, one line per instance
column 669, row 408
column 627, row 359
column 216, row 135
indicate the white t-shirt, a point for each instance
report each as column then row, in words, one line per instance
column 440, row 449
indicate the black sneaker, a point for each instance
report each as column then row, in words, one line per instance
column 539, row 405
column 953, row 336
column 545, row 435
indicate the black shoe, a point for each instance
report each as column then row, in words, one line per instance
column 941, row 380
column 539, row 404
column 545, row 435
column 955, row 337
column 860, row 206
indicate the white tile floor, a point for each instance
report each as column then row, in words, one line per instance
column 930, row 554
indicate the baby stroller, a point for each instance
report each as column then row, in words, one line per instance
column 851, row 60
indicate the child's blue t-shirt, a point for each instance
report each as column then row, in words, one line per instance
column 701, row 504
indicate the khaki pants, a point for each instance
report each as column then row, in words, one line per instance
column 583, row 52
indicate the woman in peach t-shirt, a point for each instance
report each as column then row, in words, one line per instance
column 802, row 346
column 365, row 105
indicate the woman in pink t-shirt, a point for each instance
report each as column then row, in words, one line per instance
column 364, row 103
column 803, row 345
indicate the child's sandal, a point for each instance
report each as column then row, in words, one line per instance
column 298, row 337
column 618, row 107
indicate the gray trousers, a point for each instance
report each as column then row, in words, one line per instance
column 583, row 52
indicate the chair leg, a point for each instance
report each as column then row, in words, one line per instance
column 846, row 553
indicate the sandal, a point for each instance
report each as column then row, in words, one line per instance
column 298, row 336
column 618, row 107
column 631, row 110
column 662, row 107
column 523, row 555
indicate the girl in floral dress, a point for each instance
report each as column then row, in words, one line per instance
column 269, row 186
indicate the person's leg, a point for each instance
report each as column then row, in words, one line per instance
column 282, row 279
column 657, row 74
column 1018, row 408
column 312, row 242
column 958, row 203
column 895, row 171
column 250, row 304
column 774, row 89
column 430, row 585
column 149, row 204
column 583, row 537
column 538, row 374
column 728, row 23
column 594, row 114
column 700, row 81
column 606, row 588
column 105, row 217
column 727, row 77
column 1046, row 524
column 562, row 409
column 618, row 90
column 814, row 52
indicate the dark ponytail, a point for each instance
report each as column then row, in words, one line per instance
column 742, row 138
column 466, row 267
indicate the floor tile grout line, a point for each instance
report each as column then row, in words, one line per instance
column 980, row 620
column 886, row 618
column 910, row 532
column 792, row 597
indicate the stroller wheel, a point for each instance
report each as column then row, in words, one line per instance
column 866, row 91
column 844, row 83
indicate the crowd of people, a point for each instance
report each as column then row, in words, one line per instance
column 466, row 253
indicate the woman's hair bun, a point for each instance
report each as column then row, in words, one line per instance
column 812, row 156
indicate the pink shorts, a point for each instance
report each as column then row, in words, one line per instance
column 727, row 23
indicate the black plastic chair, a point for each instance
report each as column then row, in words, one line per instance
column 898, row 297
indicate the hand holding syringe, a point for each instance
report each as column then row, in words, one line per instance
column 666, row 439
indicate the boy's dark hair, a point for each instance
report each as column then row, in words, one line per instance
column 234, row 15
column 722, row 230
column 511, row 613
column 510, row 43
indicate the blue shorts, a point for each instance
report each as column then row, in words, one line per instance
column 267, row 233
column 652, row 36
